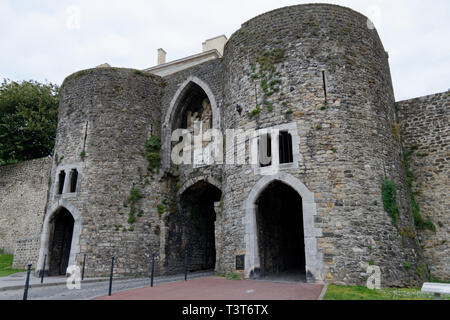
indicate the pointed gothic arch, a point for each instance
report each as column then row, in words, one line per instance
column 314, row 259
column 47, row 234
column 167, row 125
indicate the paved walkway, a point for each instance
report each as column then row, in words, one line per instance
column 54, row 288
column 17, row 281
column 217, row 288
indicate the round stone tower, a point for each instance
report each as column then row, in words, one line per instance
column 97, row 200
column 320, row 76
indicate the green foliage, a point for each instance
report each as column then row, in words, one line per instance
column 396, row 131
column 269, row 106
column 161, row 208
column 135, row 195
column 264, row 68
column 419, row 222
column 407, row 266
column 6, row 261
column 335, row 292
column 255, row 112
column 28, row 120
column 230, row 276
column 153, row 153
column 389, row 192
column 371, row 263
column 83, row 155
column 318, row 127
column 131, row 216
column 132, row 199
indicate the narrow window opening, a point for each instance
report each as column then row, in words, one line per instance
column 265, row 150
column 61, row 179
column 85, row 135
column 285, row 147
column 73, row 180
column 324, row 85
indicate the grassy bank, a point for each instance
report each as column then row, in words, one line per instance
column 335, row 292
column 6, row 261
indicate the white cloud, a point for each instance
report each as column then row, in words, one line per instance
column 36, row 42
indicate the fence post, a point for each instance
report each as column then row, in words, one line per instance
column 27, row 283
column 84, row 264
column 111, row 276
column 153, row 269
column 43, row 269
column 185, row 264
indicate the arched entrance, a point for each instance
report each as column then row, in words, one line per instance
column 61, row 233
column 281, row 242
column 193, row 229
column 313, row 258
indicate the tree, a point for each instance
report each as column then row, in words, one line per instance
column 28, row 120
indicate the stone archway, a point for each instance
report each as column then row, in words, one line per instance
column 169, row 119
column 314, row 259
column 60, row 242
column 193, row 228
column 281, row 239
column 64, row 220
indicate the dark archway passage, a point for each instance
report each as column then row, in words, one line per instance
column 281, row 241
column 193, row 229
column 60, row 242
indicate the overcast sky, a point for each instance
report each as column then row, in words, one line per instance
column 48, row 40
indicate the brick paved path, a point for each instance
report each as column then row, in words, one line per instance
column 218, row 288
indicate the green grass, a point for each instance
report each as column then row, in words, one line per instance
column 6, row 269
column 335, row 292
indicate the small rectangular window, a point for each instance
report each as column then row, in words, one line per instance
column 73, row 180
column 61, row 179
column 285, row 147
column 265, row 150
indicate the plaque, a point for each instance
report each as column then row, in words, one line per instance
column 240, row 262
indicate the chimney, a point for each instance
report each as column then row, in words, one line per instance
column 217, row 43
column 161, row 56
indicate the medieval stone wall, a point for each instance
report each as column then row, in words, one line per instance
column 208, row 76
column 26, row 253
column 23, row 198
column 425, row 130
column 345, row 138
column 105, row 117
column 318, row 71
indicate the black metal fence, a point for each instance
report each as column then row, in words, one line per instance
column 111, row 275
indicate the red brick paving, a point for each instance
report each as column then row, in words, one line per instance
column 217, row 288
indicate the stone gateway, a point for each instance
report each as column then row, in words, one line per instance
column 320, row 77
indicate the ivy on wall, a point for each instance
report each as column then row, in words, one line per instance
column 153, row 153
column 264, row 68
column 389, row 192
column 419, row 221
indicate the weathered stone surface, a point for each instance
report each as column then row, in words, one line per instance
column 342, row 128
column 425, row 128
column 23, row 198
